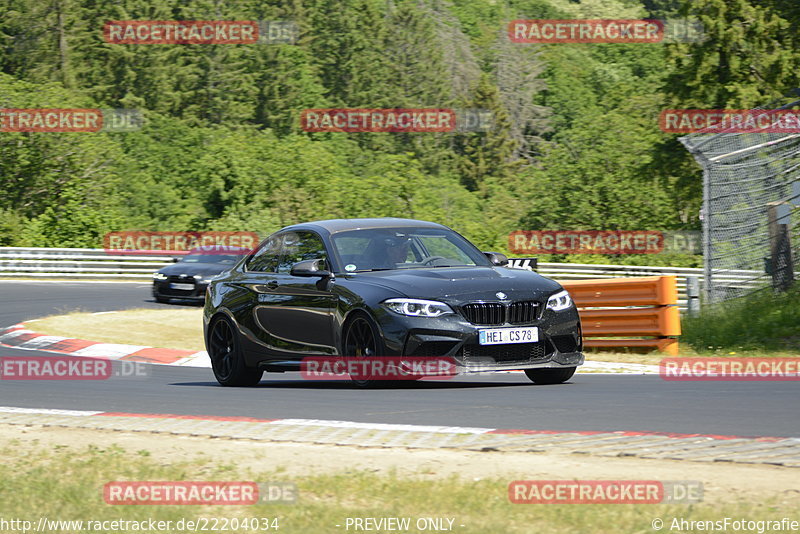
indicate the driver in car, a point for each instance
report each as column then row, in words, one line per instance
column 397, row 249
column 389, row 250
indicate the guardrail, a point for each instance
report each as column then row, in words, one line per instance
column 80, row 263
column 688, row 279
column 90, row 263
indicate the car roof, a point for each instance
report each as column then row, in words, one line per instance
column 332, row 226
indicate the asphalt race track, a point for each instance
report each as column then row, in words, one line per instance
column 506, row 401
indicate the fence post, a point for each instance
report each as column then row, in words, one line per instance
column 705, row 211
column 780, row 247
column 693, row 295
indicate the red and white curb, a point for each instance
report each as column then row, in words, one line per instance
column 379, row 426
column 19, row 336
column 691, row 447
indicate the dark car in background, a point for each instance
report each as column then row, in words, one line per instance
column 386, row 287
column 188, row 278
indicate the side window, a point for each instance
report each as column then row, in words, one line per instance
column 266, row 258
column 299, row 246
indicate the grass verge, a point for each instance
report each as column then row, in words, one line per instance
column 764, row 321
column 178, row 328
column 63, row 483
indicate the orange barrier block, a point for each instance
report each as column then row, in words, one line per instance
column 634, row 291
column 656, row 315
column 663, row 321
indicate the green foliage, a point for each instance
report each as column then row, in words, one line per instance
column 576, row 143
column 762, row 321
column 749, row 57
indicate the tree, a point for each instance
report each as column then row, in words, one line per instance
column 748, row 58
column 487, row 153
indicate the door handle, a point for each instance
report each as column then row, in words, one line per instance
column 272, row 284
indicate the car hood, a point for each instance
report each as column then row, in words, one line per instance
column 203, row 269
column 463, row 283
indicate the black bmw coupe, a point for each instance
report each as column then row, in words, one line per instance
column 382, row 288
column 187, row 279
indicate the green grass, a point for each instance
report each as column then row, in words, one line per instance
column 66, row 484
column 764, row 321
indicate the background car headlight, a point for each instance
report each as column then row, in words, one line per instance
column 559, row 301
column 159, row 276
column 417, row 307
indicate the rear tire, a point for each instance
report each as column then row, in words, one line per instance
column 550, row 376
column 227, row 360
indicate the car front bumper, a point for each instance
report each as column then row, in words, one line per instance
column 162, row 289
column 559, row 346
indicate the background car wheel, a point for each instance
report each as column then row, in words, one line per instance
column 227, row 359
column 161, row 300
column 550, row 376
column 361, row 339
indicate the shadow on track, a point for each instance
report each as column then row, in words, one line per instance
column 348, row 385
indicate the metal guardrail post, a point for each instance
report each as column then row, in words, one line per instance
column 708, row 272
column 693, row 295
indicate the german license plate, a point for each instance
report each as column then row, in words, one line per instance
column 502, row 336
column 184, row 287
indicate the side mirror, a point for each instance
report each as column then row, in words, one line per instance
column 310, row 268
column 496, row 258
column 175, row 259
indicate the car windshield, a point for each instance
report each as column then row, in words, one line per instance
column 225, row 259
column 377, row 249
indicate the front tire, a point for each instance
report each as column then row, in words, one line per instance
column 227, row 360
column 550, row 376
column 361, row 339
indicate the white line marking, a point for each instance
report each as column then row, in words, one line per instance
column 111, row 351
column 79, row 413
column 40, row 342
column 198, row 359
column 382, row 426
column 15, row 333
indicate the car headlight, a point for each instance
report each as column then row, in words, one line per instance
column 560, row 301
column 417, row 307
column 159, row 276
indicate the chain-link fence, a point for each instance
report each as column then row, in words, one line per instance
column 751, row 186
